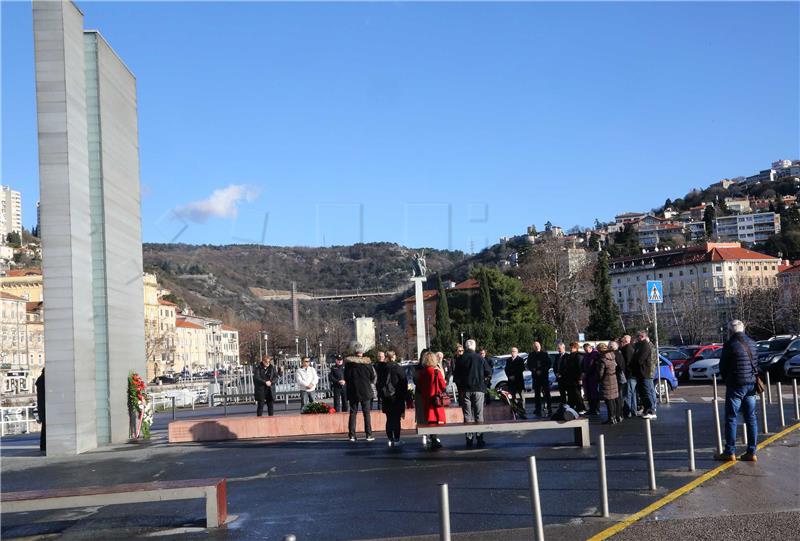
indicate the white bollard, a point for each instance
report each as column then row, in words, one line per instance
column 769, row 387
column 444, row 513
column 764, row 413
column 796, row 401
column 601, row 463
column 535, row 500
column 780, row 405
column 716, row 395
column 716, row 423
column 651, row 467
column 691, row 439
column 744, row 433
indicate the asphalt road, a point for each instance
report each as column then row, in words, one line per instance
column 330, row 489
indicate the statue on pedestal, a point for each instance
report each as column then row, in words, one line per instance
column 418, row 266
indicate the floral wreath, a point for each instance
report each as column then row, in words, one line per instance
column 139, row 404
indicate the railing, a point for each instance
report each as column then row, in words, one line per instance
column 18, row 420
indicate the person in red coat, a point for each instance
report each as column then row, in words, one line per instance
column 431, row 383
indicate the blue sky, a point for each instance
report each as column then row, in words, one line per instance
column 445, row 125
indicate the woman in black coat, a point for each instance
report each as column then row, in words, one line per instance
column 394, row 389
column 264, row 375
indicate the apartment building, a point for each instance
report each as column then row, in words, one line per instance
column 749, row 228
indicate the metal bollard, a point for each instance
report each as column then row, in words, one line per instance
column 666, row 391
column 444, row 513
column 651, row 467
column 796, row 402
column 691, row 439
column 173, row 407
column 744, row 433
column 769, row 387
column 601, row 462
column 224, row 400
column 716, row 394
column 780, row 405
column 716, row 423
column 764, row 413
column 535, row 501
column 290, row 537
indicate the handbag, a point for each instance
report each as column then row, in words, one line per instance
column 441, row 399
column 760, row 387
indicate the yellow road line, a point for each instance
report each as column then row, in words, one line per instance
column 619, row 526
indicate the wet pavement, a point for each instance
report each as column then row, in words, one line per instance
column 326, row 488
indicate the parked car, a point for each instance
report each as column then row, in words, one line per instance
column 773, row 355
column 697, row 353
column 500, row 380
column 668, row 376
column 791, row 367
column 678, row 358
column 164, row 380
column 705, row 369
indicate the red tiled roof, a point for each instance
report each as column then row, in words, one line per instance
column 228, row 328
column 9, row 296
column 187, row 324
column 31, row 306
column 728, row 254
column 793, row 268
column 426, row 296
column 469, row 283
column 23, row 272
column 166, row 303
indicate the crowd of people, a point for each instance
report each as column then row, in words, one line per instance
column 619, row 373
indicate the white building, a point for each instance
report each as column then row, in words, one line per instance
column 10, row 212
column 740, row 205
column 230, row 347
column 747, row 227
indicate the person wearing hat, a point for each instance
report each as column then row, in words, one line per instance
column 338, row 385
column 359, row 375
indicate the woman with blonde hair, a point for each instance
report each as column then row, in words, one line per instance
column 431, row 384
column 607, row 375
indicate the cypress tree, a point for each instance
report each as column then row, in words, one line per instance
column 486, row 315
column 444, row 328
column 604, row 322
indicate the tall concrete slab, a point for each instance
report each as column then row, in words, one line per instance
column 91, row 230
column 66, row 227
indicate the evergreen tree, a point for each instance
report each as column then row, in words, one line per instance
column 708, row 217
column 443, row 340
column 604, row 320
column 486, row 314
column 668, row 203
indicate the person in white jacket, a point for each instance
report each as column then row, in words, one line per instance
column 306, row 378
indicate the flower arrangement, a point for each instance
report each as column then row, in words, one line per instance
column 504, row 396
column 318, row 407
column 140, row 408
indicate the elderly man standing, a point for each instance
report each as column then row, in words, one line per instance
column 470, row 375
column 630, row 405
column 738, row 369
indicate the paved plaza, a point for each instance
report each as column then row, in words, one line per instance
column 328, row 488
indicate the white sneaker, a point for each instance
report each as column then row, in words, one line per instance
column 648, row 416
column 370, row 438
column 391, row 444
column 352, row 438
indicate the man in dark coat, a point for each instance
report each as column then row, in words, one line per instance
column 539, row 365
column 571, row 378
column 40, row 410
column 264, row 375
column 380, row 371
column 558, row 368
column 515, row 373
column 630, row 403
column 738, row 368
column 644, row 369
column 394, row 390
column 338, row 384
column 359, row 375
column 470, row 375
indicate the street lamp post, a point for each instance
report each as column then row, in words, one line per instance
column 297, row 345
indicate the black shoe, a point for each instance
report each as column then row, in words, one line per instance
column 436, row 444
column 481, row 442
column 469, row 443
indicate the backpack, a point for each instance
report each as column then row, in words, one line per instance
column 388, row 388
column 564, row 413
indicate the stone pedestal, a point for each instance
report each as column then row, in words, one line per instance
column 419, row 304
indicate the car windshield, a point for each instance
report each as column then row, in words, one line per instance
column 711, row 353
column 690, row 351
column 778, row 345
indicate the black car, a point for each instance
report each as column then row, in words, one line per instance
column 164, row 380
column 773, row 354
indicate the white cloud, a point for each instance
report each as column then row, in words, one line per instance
column 222, row 203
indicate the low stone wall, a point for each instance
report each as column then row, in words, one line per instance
column 252, row 427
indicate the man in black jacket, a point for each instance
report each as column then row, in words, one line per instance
column 559, row 363
column 631, row 405
column 41, row 411
column 571, row 378
column 738, row 369
column 470, row 375
column 338, row 384
column 263, row 375
column 515, row 375
column 539, row 365
column 644, row 368
column 359, row 375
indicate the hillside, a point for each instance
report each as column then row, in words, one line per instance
column 218, row 280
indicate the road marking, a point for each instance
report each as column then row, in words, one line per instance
column 678, row 400
column 618, row 527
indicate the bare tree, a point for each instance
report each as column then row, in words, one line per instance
column 693, row 315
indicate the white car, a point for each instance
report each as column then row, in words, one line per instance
column 704, row 369
column 792, row 367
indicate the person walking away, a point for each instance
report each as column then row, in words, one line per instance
column 621, row 381
column 571, row 378
column 41, row 411
column 394, row 390
column 338, row 384
column 739, row 370
column 590, row 378
column 432, row 384
column 306, row 379
column 358, row 373
column 470, row 375
column 607, row 375
column 419, row 412
column 631, row 404
column 515, row 374
column 380, row 375
column 264, row 375
column 558, row 367
column 539, row 365
column 643, row 359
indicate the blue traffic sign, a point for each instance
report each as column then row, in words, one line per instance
column 655, row 291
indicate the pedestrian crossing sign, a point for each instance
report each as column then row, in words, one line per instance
column 655, row 291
